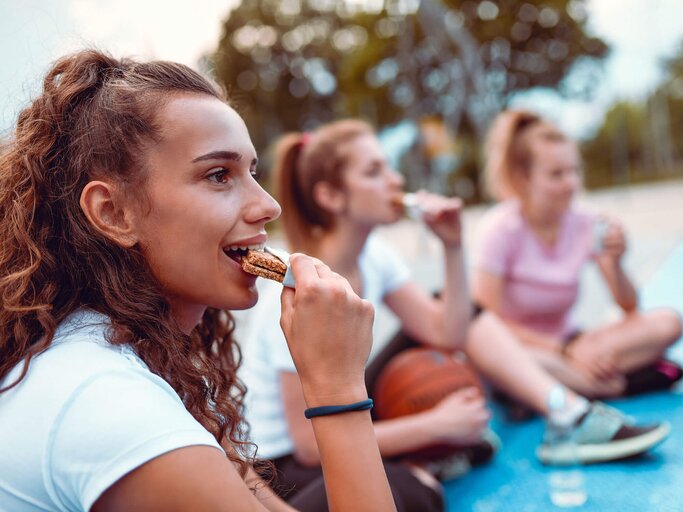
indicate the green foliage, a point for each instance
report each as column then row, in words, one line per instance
column 293, row 64
column 640, row 141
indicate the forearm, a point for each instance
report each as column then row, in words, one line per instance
column 622, row 289
column 402, row 435
column 329, row 334
column 351, row 463
column 394, row 437
column 455, row 306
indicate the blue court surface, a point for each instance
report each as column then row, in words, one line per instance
column 515, row 481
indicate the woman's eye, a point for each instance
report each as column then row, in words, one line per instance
column 255, row 173
column 219, row 175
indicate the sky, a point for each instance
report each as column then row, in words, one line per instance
column 35, row 32
column 641, row 34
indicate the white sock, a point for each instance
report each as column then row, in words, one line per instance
column 564, row 410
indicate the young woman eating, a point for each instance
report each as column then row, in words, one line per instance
column 126, row 192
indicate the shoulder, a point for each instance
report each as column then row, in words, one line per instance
column 88, row 412
column 79, row 351
column 81, row 360
column 500, row 227
column 114, row 422
column 498, row 236
column 503, row 218
column 383, row 270
column 383, row 262
column 379, row 253
column 581, row 219
column 376, row 248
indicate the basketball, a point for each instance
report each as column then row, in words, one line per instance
column 416, row 380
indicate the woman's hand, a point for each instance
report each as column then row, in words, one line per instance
column 613, row 247
column 329, row 333
column 613, row 244
column 460, row 418
column 597, row 360
column 442, row 215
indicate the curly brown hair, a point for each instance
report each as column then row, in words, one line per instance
column 93, row 120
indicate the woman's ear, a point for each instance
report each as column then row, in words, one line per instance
column 520, row 180
column 328, row 197
column 107, row 215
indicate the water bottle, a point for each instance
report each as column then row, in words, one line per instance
column 565, row 479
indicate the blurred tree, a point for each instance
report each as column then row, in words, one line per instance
column 645, row 139
column 292, row 64
column 670, row 95
column 611, row 154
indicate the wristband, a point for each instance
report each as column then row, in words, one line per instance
column 328, row 410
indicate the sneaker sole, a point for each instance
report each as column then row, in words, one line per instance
column 621, row 449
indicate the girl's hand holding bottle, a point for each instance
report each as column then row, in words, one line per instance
column 598, row 361
column 612, row 241
column 442, row 216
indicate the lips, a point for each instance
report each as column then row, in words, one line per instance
column 236, row 252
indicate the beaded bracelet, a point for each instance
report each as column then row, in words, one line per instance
column 327, row 410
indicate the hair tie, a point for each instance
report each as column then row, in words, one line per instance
column 525, row 122
column 305, row 138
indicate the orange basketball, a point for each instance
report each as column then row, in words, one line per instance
column 416, row 380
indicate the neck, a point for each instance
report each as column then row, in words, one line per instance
column 340, row 248
column 539, row 219
column 188, row 317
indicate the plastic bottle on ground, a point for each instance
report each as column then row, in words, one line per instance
column 566, row 482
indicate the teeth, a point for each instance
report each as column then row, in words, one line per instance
column 255, row 247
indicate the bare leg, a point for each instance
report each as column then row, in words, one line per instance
column 639, row 339
column 497, row 353
column 576, row 379
column 501, row 358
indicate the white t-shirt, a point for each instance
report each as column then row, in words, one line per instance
column 86, row 413
column 265, row 353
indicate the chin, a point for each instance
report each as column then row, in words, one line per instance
column 390, row 218
column 241, row 299
column 564, row 205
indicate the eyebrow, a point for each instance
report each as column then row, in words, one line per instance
column 223, row 155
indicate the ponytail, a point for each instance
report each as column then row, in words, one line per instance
column 301, row 161
column 508, row 152
column 299, row 216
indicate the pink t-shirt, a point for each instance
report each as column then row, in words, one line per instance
column 541, row 282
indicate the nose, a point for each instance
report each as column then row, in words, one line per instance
column 262, row 207
column 396, row 178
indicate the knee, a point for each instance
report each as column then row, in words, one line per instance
column 479, row 331
column 488, row 333
column 667, row 324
